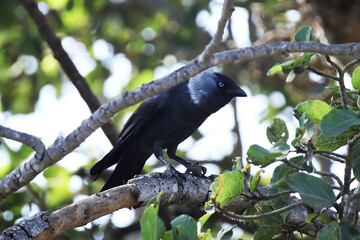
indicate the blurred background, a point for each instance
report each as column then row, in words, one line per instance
column 120, row 44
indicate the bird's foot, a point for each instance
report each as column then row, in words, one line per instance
column 196, row 169
column 172, row 172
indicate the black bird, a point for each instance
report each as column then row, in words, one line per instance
column 163, row 122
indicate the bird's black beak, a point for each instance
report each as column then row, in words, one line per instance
column 237, row 92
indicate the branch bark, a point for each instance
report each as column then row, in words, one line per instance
column 63, row 146
column 193, row 192
column 29, row 140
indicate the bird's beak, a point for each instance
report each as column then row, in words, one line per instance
column 238, row 92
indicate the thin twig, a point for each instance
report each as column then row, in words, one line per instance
column 213, row 45
column 238, row 217
column 341, row 80
column 350, row 64
column 348, row 164
column 327, row 154
column 322, row 173
column 331, row 157
column 321, row 152
column 269, row 197
column 321, row 73
column 27, row 139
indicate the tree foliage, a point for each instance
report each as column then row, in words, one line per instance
column 153, row 37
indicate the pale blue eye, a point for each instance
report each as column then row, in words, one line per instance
column 221, row 84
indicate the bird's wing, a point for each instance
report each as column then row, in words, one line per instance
column 142, row 116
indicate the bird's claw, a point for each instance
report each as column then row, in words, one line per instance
column 172, row 172
column 196, row 169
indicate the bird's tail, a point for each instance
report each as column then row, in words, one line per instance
column 129, row 163
column 107, row 161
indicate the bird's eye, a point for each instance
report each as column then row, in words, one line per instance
column 221, row 84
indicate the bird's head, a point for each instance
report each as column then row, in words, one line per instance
column 211, row 90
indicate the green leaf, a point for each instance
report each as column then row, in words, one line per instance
column 152, row 227
column 261, row 156
column 309, row 130
column 155, row 200
column 204, row 218
column 355, row 79
column 268, row 227
column 338, row 121
column 285, row 67
column 280, row 201
column 300, row 69
column 356, row 160
column 255, row 181
column 325, row 218
column 324, row 142
column 274, row 70
column 350, row 94
column 237, row 165
column 306, row 57
column 227, row 187
column 184, row 228
column 303, row 35
column 288, row 66
column 315, row 192
column 311, row 216
column 334, row 230
column 314, row 109
column 301, row 129
column 168, row 235
column 284, row 170
column 277, row 131
column 278, row 181
column 225, row 234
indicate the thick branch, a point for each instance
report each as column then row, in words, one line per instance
column 192, row 192
column 47, row 33
column 62, row 146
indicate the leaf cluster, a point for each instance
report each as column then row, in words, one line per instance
column 323, row 128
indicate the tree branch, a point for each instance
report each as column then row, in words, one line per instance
column 350, row 64
column 348, row 163
column 269, row 197
column 321, row 73
column 340, row 79
column 192, row 192
column 47, row 33
column 321, row 173
column 63, row 146
column 327, row 154
column 210, row 49
column 260, row 216
column 29, row 140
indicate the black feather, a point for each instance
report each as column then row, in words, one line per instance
column 165, row 120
